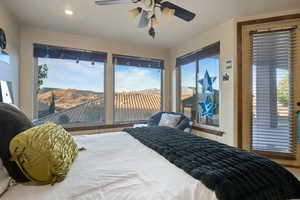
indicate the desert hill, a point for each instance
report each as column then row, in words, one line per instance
column 66, row 98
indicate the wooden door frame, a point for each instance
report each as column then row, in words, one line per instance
column 239, row 71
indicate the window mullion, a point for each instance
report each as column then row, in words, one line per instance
column 109, row 90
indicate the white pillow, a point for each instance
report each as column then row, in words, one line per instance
column 169, row 120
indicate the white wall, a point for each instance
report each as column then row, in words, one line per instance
column 10, row 72
column 31, row 35
column 225, row 33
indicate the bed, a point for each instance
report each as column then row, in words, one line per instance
column 161, row 163
column 116, row 166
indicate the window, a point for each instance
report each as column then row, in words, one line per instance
column 69, row 85
column 199, row 85
column 138, row 88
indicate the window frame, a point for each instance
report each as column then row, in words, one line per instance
column 35, row 87
column 196, row 125
column 114, row 88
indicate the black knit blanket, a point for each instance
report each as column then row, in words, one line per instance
column 233, row 174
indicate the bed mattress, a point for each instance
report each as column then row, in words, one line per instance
column 116, row 166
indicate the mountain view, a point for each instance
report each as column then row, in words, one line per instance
column 66, row 98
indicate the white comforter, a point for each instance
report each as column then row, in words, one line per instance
column 117, row 167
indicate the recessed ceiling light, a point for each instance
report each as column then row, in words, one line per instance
column 69, row 12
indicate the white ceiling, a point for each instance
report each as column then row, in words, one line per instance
column 114, row 22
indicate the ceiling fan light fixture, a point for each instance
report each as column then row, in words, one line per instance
column 148, row 5
column 147, row 11
column 153, row 22
column 151, row 32
column 135, row 12
column 144, row 20
column 168, row 12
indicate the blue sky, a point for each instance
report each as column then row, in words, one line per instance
column 136, row 78
column 68, row 74
column 188, row 72
column 85, row 76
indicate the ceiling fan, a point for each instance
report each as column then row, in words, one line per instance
column 147, row 10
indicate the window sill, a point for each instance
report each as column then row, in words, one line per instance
column 276, row 155
column 208, row 130
column 101, row 126
column 131, row 124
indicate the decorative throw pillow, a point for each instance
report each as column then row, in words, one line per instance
column 12, row 122
column 169, row 120
column 184, row 123
column 44, row 153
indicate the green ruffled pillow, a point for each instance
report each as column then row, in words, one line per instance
column 44, row 153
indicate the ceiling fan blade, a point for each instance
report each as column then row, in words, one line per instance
column 179, row 12
column 144, row 21
column 112, row 2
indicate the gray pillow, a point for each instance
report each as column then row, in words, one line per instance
column 169, row 120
